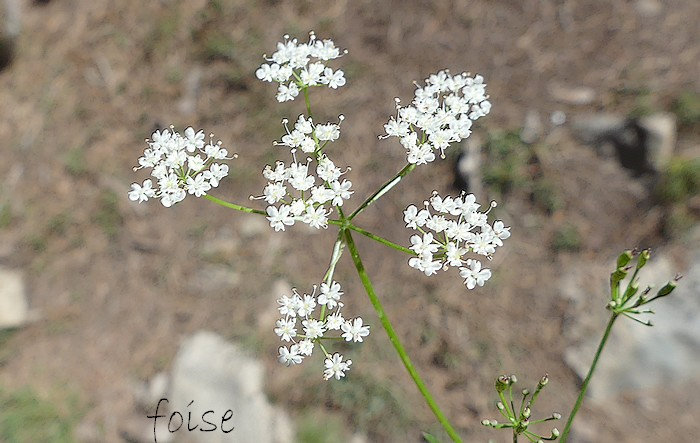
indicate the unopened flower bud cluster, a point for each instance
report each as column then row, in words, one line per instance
column 182, row 164
column 441, row 113
column 295, row 66
column 449, row 233
column 319, row 317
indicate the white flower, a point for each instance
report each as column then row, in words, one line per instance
column 286, row 328
column 274, row 192
column 289, row 305
column 313, row 328
column 317, row 218
column 279, row 218
column 316, row 328
column 441, row 113
column 423, row 245
column 307, row 305
column 327, row 132
column 341, row 191
column 194, row 140
column 306, row 347
column 473, row 274
column 304, row 199
column 336, row 367
column 330, row 295
column 415, row 218
column 334, row 321
column 142, row 193
column 198, row 185
column 334, row 80
column 289, row 357
column 287, row 92
column 167, row 154
column 354, row 331
column 297, row 65
column 455, row 229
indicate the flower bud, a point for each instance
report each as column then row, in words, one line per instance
column 485, row 422
column 624, row 259
column 666, row 290
column 643, row 258
column 527, row 412
column 500, row 406
column 502, row 383
column 556, row 415
column 543, row 381
column 555, row 432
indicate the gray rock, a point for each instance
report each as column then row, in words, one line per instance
column 13, row 18
column 572, row 95
column 636, row 356
column 594, row 128
column 643, row 145
column 467, row 168
column 216, row 375
column 532, row 128
column 14, row 311
column 660, row 140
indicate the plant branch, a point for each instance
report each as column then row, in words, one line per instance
column 584, row 387
column 234, row 206
column 395, row 339
column 384, row 189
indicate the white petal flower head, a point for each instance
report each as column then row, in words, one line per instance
column 303, row 191
column 316, row 327
column 336, row 367
column 297, row 66
column 473, row 274
column 456, row 228
column 334, row 321
column 330, row 295
column 353, row 330
column 441, row 112
column 286, row 328
column 291, row 356
column 181, row 165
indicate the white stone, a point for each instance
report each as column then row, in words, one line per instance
column 219, row 376
column 13, row 303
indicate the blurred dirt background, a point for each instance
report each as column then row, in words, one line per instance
column 114, row 286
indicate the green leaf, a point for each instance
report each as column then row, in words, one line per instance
column 430, row 438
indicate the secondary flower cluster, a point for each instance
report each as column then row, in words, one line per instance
column 309, row 137
column 296, row 66
column 293, row 192
column 181, row 164
column 441, row 113
column 316, row 327
column 447, row 235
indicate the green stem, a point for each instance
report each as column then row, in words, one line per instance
column 234, row 206
column 337, row 252
column 381, row 240
column 308, row 102
column 395, row 339
column 384, row 189
column 584, row 387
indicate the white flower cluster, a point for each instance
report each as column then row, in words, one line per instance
column 441, row 113
column 316, row 327
column 296, row 66
column 447, row 235
column 293, row 192
column 181, row 164
column 309, row 137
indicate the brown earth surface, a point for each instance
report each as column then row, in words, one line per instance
column 117, row 285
